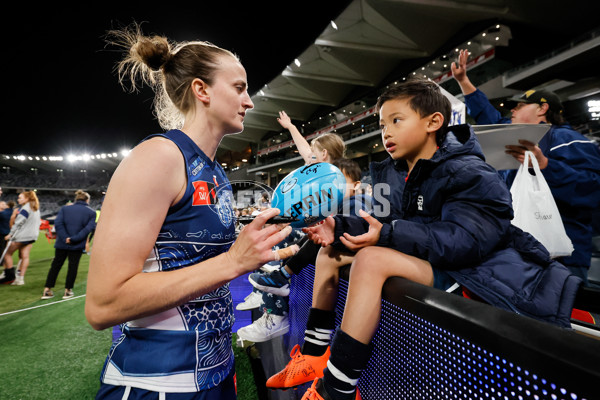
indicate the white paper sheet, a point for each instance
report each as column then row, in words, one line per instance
column 494, row 138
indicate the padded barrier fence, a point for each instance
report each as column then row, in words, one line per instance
column 436, row 345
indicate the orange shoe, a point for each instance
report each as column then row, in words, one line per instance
column 301, row 369
column 317, row 392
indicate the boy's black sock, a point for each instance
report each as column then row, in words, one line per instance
column 319, row 328
column 306, row 255
column 348, row 359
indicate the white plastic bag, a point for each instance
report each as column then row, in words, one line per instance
column 535, row 209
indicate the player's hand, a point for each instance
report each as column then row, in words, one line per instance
column 518, row 152
column 370, row 238
column 254, row 244
column 459, row 70
column 322, row 232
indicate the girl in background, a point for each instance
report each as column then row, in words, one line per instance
column 23, row 234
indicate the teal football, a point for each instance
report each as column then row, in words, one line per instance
column 310, row 193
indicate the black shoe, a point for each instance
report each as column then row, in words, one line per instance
column 271, row 282
column 9, row 276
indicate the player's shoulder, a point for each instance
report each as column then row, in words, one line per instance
column 157, row 153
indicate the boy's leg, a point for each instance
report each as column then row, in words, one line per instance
column 273, row 323
column 327, row 275
column 350, row 348
column 308, row 363
column 278, row 281
column 371, row 268
column 306, row 255
column 321, row 318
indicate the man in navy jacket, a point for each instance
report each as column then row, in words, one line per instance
column 569, row 161
column 73, row 224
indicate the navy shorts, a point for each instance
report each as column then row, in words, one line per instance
column 25, row 243
column 225, row 391
column 441, row 279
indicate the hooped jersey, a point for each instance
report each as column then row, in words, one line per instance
column 186, row 348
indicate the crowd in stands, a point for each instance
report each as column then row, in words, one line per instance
column 91, row 180
column 52, row 201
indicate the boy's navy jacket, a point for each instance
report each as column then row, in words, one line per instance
column 573, row 174
column 454, row 211
column 75, row 221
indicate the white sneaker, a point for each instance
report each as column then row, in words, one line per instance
column 265, row 328
column 253, row 300
column 268, row 268
column 19, row 281
column 2, row 275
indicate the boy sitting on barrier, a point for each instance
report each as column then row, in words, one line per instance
column 445, row 218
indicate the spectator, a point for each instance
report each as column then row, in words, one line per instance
column 569, row 161
column 264, row 202
column 5, row 214
column 274, row 322
column 88, row 242
column 22, row 236
column 324, row 148
column 276, row 284
column 73, row 224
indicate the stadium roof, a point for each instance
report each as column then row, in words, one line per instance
column 374, row 42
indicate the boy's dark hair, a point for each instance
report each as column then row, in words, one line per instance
column 349, row 168
column 425, row 98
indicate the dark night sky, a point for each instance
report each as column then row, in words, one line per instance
column 63, row 95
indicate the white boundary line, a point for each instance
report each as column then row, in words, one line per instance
column 42, row 305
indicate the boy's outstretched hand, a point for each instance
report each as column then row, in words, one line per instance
column 321, row 233
column 370, row 238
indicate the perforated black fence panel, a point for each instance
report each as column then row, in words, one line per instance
column 435, row 345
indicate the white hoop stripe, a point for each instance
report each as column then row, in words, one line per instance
column 41, row 305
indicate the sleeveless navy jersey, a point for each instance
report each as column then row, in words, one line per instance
column 186, row 348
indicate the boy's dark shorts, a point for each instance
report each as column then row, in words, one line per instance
column 441, row 279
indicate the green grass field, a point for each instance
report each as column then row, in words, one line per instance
column 48, row 350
